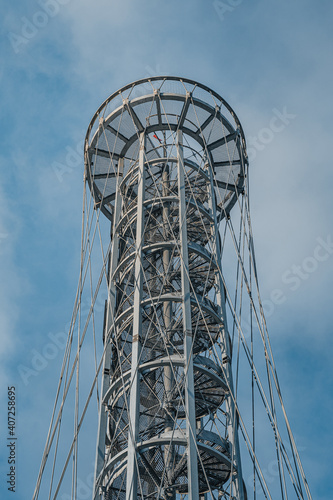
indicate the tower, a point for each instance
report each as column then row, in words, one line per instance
column 189, row 405
column 165, row 164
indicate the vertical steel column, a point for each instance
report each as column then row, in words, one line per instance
column 132, row 469
column 192, row 457
column 111, row 303
column 167, row 314
column 232, row 426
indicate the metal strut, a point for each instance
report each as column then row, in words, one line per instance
column 192, row 457
column 111, row 304
column 134, row 400
column 232, row 424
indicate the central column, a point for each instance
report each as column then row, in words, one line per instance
column 192, row 458
column 134, row 400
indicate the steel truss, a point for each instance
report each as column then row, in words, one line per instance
column 189, row 405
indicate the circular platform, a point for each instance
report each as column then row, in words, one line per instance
column 160, row 106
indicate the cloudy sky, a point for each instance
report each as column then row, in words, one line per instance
column 272, row 61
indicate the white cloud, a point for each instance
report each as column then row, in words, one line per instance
column 260, row 58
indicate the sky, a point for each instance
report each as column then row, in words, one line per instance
column 272, row 61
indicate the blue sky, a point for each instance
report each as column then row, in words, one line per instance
column 266, row 59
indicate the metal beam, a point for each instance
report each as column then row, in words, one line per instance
column 184, row 110
column 107, row 175
column 117, row 133
column 192, row 458
column 167, row 317
column 205, row 124
column 103, row 153
column 237, row 488
column 107, row 199
column 226, row 163
column 134, row 116
column 229, row 186
column 222, row 141
column 134, row 400
column 158, row 107
column 111, row 302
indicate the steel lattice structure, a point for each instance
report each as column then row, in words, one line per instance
column 177, row 161
column 189, row 404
